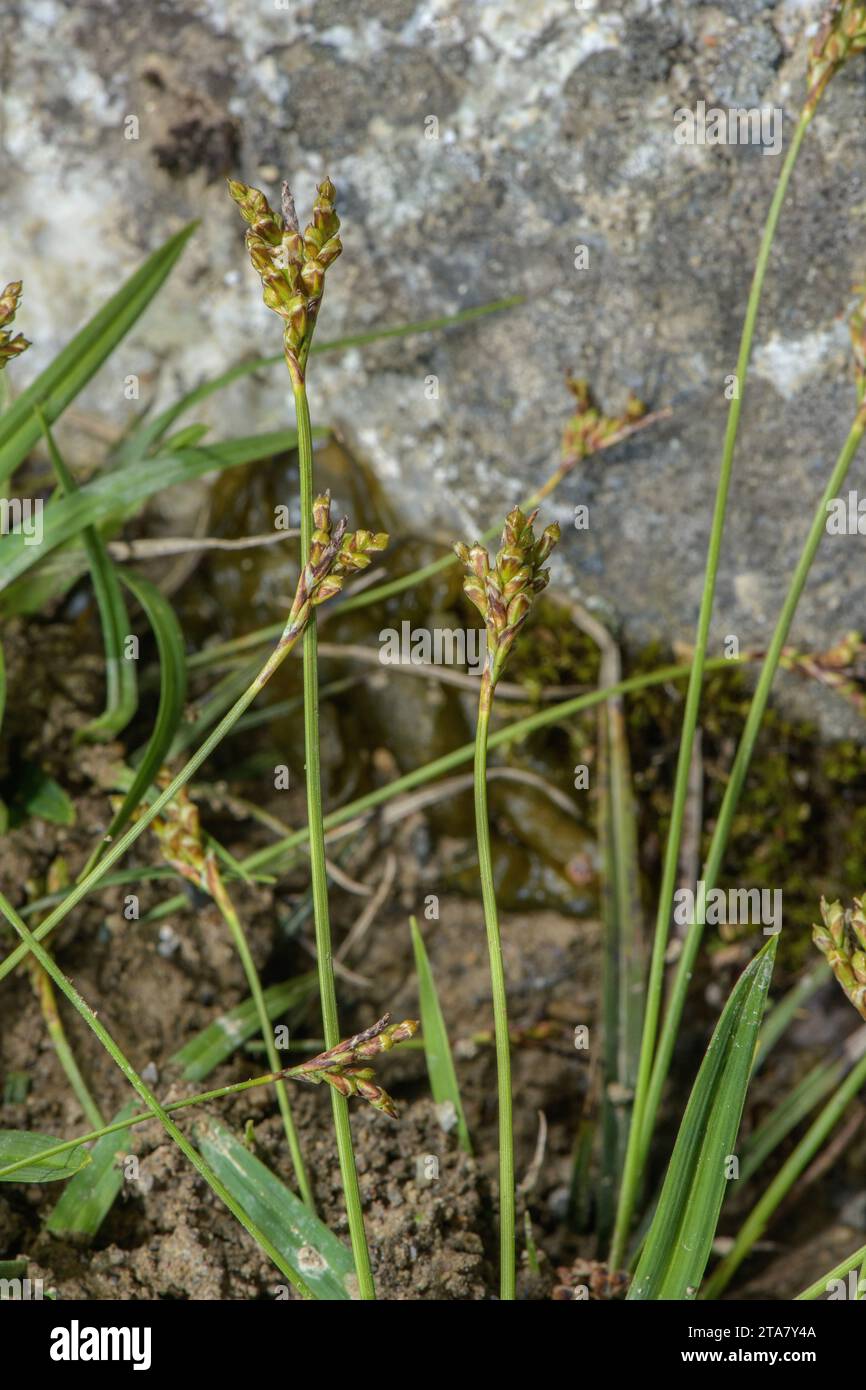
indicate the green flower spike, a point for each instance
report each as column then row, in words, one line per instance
column 291, row 266
column 10, row 347
column 842, row 939
column 504, row 592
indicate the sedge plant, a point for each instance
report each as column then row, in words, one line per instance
column 292, row 269
column 503, row 592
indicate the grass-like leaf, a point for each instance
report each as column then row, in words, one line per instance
column 304, row 1242
column 83, row 356
column 16, row 1144
column 680, row 1238
column 437, row 1049
column 121, row 685
column 87, row 1199
column 172, row 692
column 199, row 1057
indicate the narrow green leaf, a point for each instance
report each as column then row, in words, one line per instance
column 304, row 1242
column 83, row 356
column 199, row 1057
column 120, row 493
column 87, row 1199
column 120, row 680
column 680, row 1238
column 2, row 685
column 16, row 1144
column 172, row 691
column 624, row 953
column 437, row 1049
column 840, row 1271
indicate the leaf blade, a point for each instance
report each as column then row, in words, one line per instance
column 122, row 492
column 304, row 1241
column 74, row 366
column 437, row 1049
column 678, row 1244
column 16, row 1144
column 86, row 1201
column 172, row 691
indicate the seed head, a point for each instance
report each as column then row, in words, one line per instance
column 10, row 347
column 504, row 592
column 841, row 668
column 335, row 553
column 291, row 266
column 178, row 831
column 339, row 1066
column 841, row 937
column 588, row 428
column 842, row 36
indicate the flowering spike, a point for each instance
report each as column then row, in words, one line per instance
column 10, row 347
column 335, row 552
column 842, row 36
column 588, row 429
column 841, row 937
column 291, row 267
column 338, row 1066
column 504, row 591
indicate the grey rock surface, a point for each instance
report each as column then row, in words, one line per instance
column 555, row 129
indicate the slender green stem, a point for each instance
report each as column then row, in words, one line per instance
column 500, row 1004
column 737, row 777
column 318, row 869
column 230, row 917
column 201, row 1098
column 150, row 1100
column 820, row 1285
column 759, row 1217
column 642, row 1115
column 65, row 1056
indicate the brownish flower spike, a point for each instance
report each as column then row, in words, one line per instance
column 10, row 347
column 589, row 429
column 335, row 553
column 504, row 592
column 339, row 1066
column 291, row 266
